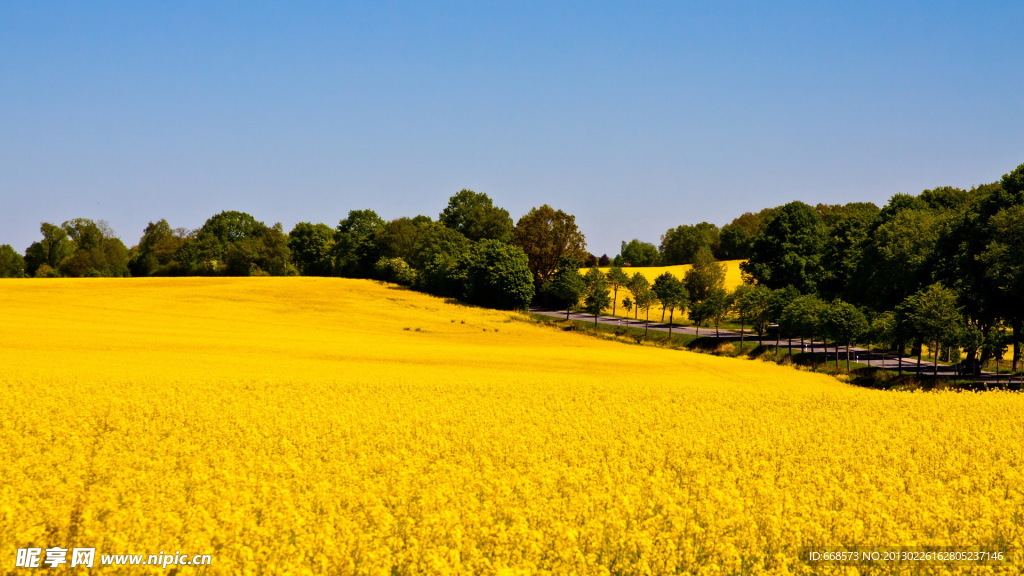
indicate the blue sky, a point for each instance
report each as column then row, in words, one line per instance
column 634, row 116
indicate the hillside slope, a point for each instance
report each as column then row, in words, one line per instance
column 289, row 425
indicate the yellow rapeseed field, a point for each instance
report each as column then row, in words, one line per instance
column 733, row 278
column 329, row 426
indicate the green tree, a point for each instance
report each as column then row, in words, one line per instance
column 566, row 285
column 788, row 249
column 155, row 253
column 637, row 253
column 714, row 308
column 705, row 277
column 638, row 283
column 498, row 276
column 752, row 306
column 1003, row 257
column 476, row 217
column 616, row 279
column 845, row 323
column 545, row 235
column 50, row 251
column 680, row 245
column 98, row 252
column 355, row 250
column 643, row 297
column 804, row 317
column 778, row 299
column 394, row 270
column 12, row 264
column 311, row 246
column 596, row 297
column 672, row 294
column 936, row 318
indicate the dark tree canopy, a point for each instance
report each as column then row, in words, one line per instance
column 311, row 246
column 12, row 264
column 476, row 217
column 637, row 253
column 680, row 245
column 498, row 275
column 788, row 250
column 545, row 235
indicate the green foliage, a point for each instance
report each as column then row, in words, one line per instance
column 596, row 297
column 394, row 270
column 788, row 249
column 498, row 276
column 311, row 246
column 681, row 245
column 155, row 253
column 637, row 253
column 705, row 277
column 804, row 317
column 50, row 251
column 616, row 279
column 236, row 244
column 355, row 249
column 566, row 285
column 672, row 294
column 751, row 304
column 545, row 235
column 12, row 264
column 476, row 217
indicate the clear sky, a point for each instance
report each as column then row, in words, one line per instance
column 634, row 116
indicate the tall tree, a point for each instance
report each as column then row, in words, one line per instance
column 12, row 264
column 311, row 246
column 154, row 255
column 498, row 276
column 845, row 323
column 50, row 251
column 355, row 249
column 616, row 279
column 936, row 318
column 788, row 250
column 643, row 297
column 476, row 217
column 596, row 297
column 680, row 245
column 637, row 253
column 672, row 294
column 705, row 277
column 545, row 235
column 566, row 285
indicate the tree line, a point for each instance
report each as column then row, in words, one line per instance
column 943, row 269
column 473, row 251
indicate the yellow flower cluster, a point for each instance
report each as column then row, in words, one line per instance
column 329, row 426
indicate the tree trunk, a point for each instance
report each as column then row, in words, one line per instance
column 670, row 316
column 790, row 347
column 847, row 355
column 935, row 364
column 567, row 310
column 824, row 344
column 1016, row 345
column 615, row 297
column 899, row 359
column 741, row 333
column 647, row 321
column 662, row 314
column 595, row 319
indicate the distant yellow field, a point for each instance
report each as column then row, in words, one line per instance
column 733, row 278
column 329, row 426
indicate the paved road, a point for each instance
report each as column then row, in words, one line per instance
column 861, row 355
